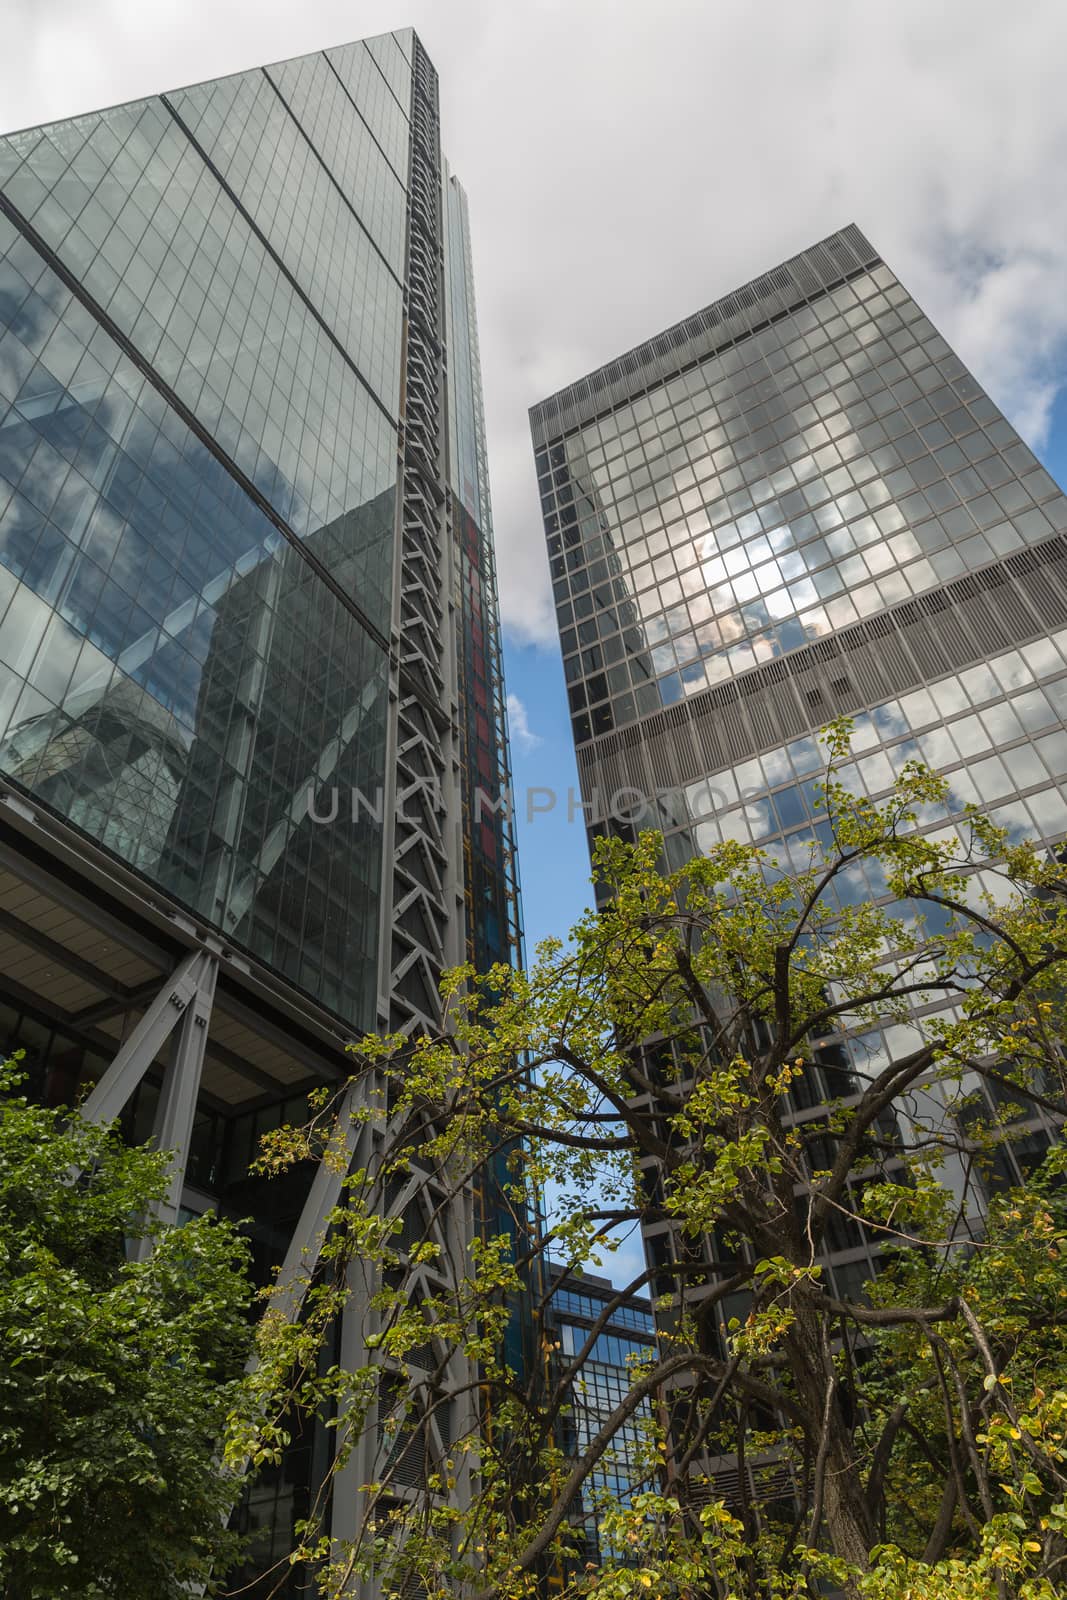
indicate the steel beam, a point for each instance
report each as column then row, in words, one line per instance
column 308, row 1236
column 181, row 1085
column 75, row 1028
column 134, row 1057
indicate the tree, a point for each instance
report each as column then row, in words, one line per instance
column 682, row 1064
column 116, row 1375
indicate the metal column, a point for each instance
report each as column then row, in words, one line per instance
column 173, row 1128
column 133, row 1059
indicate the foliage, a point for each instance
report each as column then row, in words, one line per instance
column 760, row 1064
column 116, row 1375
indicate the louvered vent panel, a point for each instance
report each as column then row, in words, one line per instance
column 823, row 650
column 1045, row 598
column 1018, row 616
column 871, row 675
column 709, row 743
column 990, row 619
column 926, row 650
column 791, row 719
column 735, row 734
column 762, row 719
column 895, row 661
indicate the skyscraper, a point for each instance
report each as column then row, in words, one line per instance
column 249, row 647
column 794, row 505
column 577, row 1303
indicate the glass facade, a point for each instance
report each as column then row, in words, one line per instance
column 201, row 305
column 995, row 730
column 797, row 479
column 627, row 1339
column 249, row 641
column 494, row 932
column 799, row 504
column 795, row 505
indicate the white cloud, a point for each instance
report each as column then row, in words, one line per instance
column 626, row 164
column 521, row 732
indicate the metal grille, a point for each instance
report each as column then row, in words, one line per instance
column 766, row 1481
column 421, row 869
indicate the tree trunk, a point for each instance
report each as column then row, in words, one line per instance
column 837, row 1485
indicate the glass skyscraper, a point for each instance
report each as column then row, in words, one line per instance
column 577, row 1302
column 249, row 644
column 794, row 505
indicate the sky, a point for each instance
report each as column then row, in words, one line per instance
column 628, row 163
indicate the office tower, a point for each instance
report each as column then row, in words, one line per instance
column 249, row 647
column 578, row 1300
column 798, row 504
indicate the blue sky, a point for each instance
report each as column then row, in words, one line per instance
column 553, row 856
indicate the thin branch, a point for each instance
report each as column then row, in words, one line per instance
column 882, row 1454
column 950, row 1436
column 597, row 1447
column 941, row 1531
column 821, row 1457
